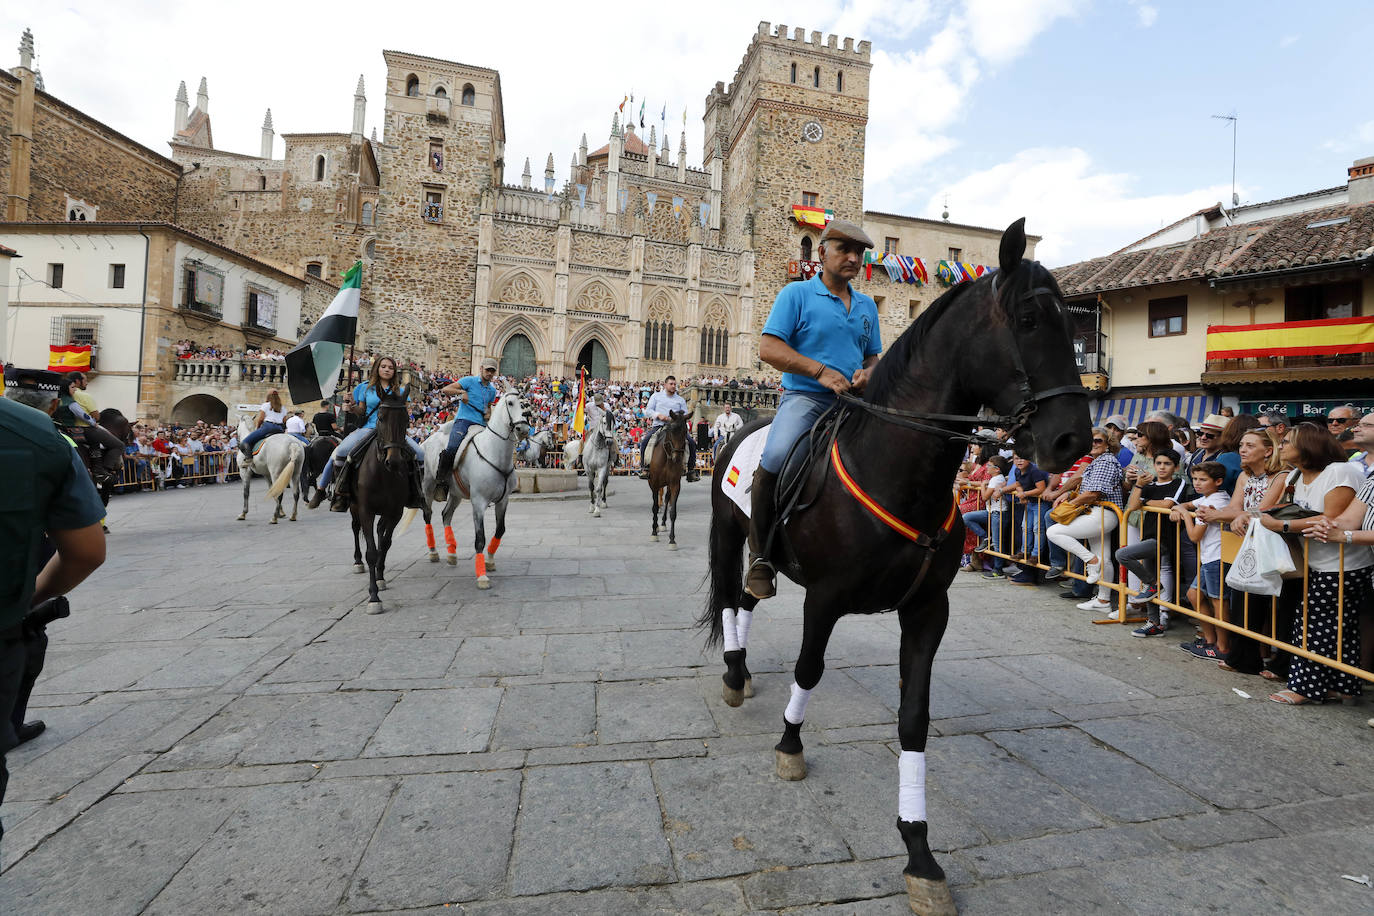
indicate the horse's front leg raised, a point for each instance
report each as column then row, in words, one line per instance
column 922, row 628
column 247, row 476
column 479, row 542
column 818, row 623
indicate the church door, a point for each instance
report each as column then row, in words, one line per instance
column 594, row 357
column 517, row 358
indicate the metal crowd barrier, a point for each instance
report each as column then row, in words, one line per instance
column 155, row 472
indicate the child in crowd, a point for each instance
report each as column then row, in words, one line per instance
column 982, row 521
column 1156, row 547
column 1205, row 593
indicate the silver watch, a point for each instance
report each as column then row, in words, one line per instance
column 1350, row 537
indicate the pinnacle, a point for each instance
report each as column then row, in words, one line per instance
column 359, row 90
column 181, row 92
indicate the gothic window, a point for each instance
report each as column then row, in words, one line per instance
column 658, row 332
column 816, row 78
column 794, row 73
column 78, row 211
column 319, row 168
column 367, row 214
column 806, row 248
column 440, row 92
column 715, row 337
column 469, row 95
column 75, row 216
column 314, row 269
column 413, row 86
column 839, row 81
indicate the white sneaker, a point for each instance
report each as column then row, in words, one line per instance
column 1095, row 604
column 1092, row 572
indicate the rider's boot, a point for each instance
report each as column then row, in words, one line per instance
column 322, row 493
column 443, row 474
column 342, row 495
column 759, row 580
column 693, row 473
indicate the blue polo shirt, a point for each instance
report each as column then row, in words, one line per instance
column 480, row 395
column 366, row 395
column 813, row 321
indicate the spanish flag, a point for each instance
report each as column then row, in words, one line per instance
column 1328, row 337
column 69, row 358
column 580, row 415
column 812, row 216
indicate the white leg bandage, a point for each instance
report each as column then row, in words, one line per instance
column 911, row 786
column 742, row 627
column 796, row 707
column 727, row 619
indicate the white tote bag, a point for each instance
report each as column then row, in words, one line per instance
column 1260, row 562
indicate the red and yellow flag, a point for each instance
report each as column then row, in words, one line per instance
column 1325, row 337
column 69, row 358
column 580, row 415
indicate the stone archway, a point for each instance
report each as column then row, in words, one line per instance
column 200, row 407
column 517, row 358
column 593, row 355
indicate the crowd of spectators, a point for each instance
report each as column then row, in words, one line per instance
column 189, row 349
column 1177, row 488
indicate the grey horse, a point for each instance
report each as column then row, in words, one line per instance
column 599, row 450
column 281, row 459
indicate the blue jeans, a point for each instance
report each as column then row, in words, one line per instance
column 797, row 413
column 262, row 432
column 301, row 439
column 459, row 430
column 644, row 445
column 350, row 442
column 1030, row 527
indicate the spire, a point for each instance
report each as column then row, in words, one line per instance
column 615, row 125
column 653, row 137
column 183, row 109
column 548, row 176
column 267, row 136
column 525, row 177
column 26, row 50
column 582, row 151
column 203, row 97
column 359, row 110
column 682, row 146
column 548, row 168
column 374, row 135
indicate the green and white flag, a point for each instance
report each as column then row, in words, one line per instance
column 313, row 365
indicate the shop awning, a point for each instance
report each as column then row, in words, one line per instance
column 1193, row 408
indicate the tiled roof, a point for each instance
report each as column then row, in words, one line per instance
column 1280, row 243
column 632, row 145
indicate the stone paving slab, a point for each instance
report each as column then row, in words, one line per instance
column 559, row 743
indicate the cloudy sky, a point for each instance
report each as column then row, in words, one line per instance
column 1093, row 118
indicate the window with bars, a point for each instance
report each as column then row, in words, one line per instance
column 202, row 290
column 75, row 329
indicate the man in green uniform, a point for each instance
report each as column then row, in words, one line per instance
column 45, row 491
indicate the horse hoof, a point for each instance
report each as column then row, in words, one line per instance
column 359, row 568
column 672, row 545
column 791, row 767
column 453, row 559
column 929, row 898
column 596, row 513
column 731, row 696
column 239, row 518
column 483, row 582
column 491, row 564
column 433, row 557
column 748, row 687
column 653, row 537
column 274, row 520
column 381, row 585
column 374, row 607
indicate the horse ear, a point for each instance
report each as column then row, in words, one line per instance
column 1013, row 246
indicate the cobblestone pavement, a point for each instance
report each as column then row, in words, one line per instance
column 228, row 731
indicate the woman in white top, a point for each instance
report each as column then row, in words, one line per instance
column 271, row 419
column 1326, row 483
column 1354, row 528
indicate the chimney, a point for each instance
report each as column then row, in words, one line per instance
column 1361, row 182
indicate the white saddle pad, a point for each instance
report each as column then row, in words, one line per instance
column 738, row 481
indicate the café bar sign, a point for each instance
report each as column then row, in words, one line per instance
column 1306, row 410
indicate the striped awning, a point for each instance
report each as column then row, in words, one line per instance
column 1193, row 408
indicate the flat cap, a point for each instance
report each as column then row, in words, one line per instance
column 839, row 229
column 487, row 363
column 33, row 379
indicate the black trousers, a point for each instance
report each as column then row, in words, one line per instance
column 13, row 659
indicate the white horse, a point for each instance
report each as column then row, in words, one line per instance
column 572, row 450
column 599, row 450
column 281, row 459
column 540, row 444
column 484, row 472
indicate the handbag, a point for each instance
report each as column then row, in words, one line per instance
column 1289, row 511
column 1066, row 512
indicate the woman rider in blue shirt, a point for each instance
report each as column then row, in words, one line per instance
column 365, row 399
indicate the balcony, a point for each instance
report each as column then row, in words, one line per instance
column 750, row 402
column 1292, row 351
column 229, row 372
column 1094, row 365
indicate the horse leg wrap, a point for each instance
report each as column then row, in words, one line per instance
column 479, row 565
column 796, row 707
column 429, row 536
column 911, row 786
column 449, row 540
column 742, row 621
column 492, row 545
column 727, row 619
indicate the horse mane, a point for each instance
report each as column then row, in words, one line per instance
column 893, row 365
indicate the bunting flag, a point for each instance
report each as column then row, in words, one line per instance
column 677, row 206
column 951, row 273
column 893, row 268
column 624, row 198
column 653, row 198
column 1325, row 337
column 69, row 358
column 868, row 264
column 622, row 104
column 313, row 365
column 582, row 195
column 812, row 216
column 703, row 213
column 580, row 414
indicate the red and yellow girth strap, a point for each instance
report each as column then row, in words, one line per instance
column 887, row 518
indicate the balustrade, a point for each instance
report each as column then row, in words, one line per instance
column 229, row 371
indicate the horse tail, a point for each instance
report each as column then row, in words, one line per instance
column 284, row 478
column 725, row 567
column 406, row 518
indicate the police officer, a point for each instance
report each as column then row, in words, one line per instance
column 46, row 490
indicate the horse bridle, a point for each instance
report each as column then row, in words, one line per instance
column 505, row 438
column 382, row 444
column 1021, row 415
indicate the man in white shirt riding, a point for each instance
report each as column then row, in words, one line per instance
column 726, row 424
column 656, row 412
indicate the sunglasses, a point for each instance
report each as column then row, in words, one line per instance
column 1097, row 441
column 1206, row 435
column 1338, row 420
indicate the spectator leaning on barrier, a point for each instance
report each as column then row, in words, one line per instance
column 1205, row 592
column 1324, row 481
column 1118, row 426
column 1354, row 528
column 989, row 523
column 1028, row 512
column 1101, row 482
column 1146, row 558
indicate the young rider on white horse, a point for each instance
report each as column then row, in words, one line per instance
column 660, row 403
column 477, row 394
column 365, row 400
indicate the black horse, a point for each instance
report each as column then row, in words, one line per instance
column 317, row 455
column 875, row 526
column 380, row 491
column 106, row 465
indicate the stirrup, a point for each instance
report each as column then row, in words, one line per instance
column 761, row 564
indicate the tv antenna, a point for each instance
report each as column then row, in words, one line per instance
column 1235, row 198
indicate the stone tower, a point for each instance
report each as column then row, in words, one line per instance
column 443, row 145
column 792, row 124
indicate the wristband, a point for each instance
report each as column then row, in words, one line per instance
column 819, row 371
column 1350, row 537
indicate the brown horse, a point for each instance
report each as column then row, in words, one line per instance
column 380, row 492
column 666, row 468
